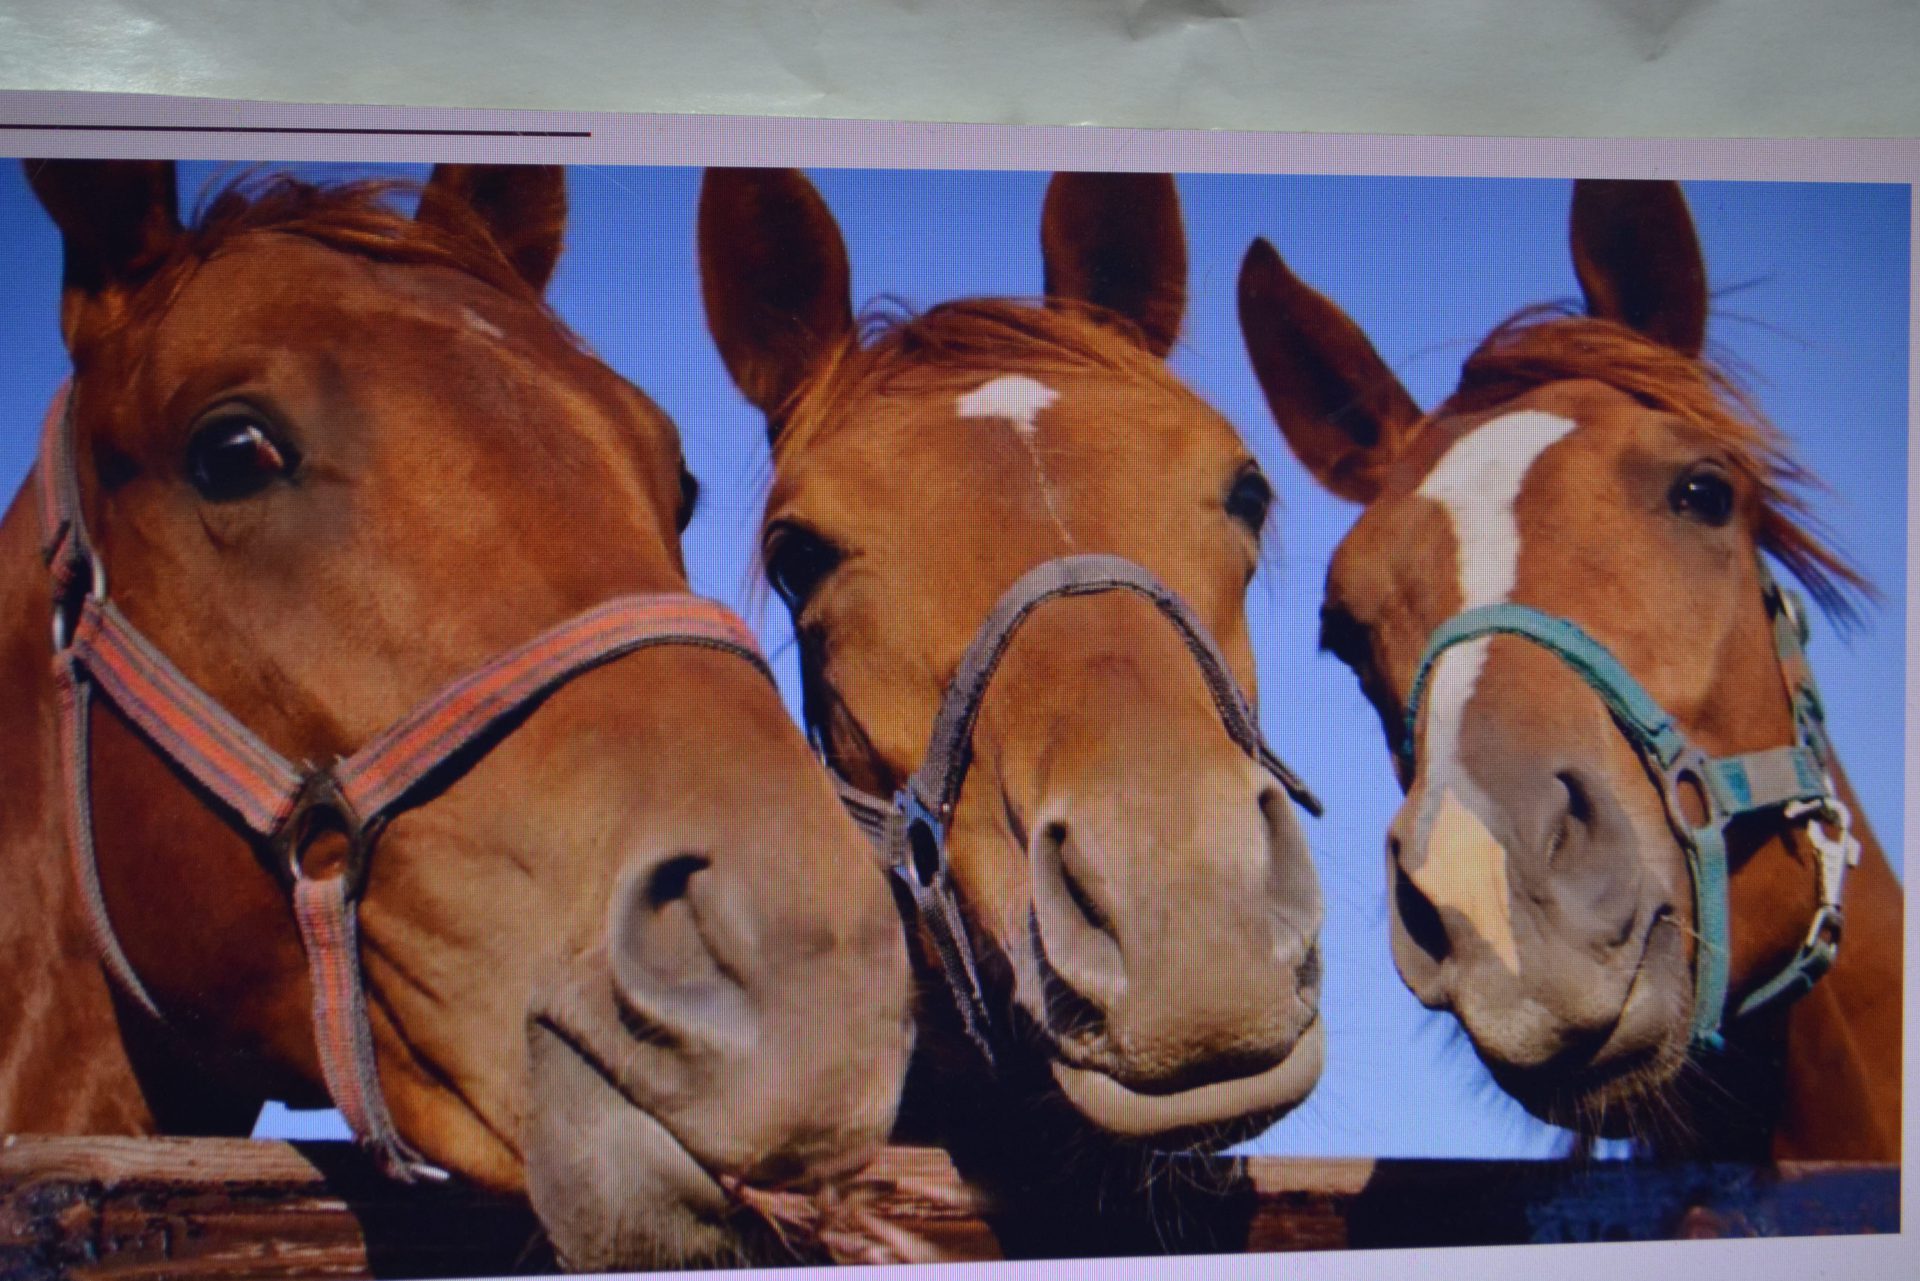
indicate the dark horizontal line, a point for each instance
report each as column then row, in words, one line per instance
column 418, row 133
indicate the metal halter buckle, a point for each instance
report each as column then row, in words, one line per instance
column 66, row 609
column 1838, row 848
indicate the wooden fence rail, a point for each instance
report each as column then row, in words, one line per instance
column 206, row 1208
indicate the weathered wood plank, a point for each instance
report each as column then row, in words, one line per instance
column 214, row 1208
column 139, row 1208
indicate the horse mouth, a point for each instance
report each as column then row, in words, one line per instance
column 1203, row 1117
column 1600, row 1089
column 618, row 1189
column 698, row 1188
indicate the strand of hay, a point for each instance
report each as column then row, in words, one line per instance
column 847, row 1222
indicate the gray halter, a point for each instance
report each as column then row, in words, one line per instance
column 910, row 831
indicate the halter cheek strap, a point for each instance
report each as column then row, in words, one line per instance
column 910, row 831
column 1794, row 781
column 294, row 812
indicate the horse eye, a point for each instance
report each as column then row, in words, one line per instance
column 689, row 498
column 231, row 456
column 1705, row 495
column 798, row 561
column 1250, row 499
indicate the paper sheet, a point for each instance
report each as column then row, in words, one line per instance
column 1650, row 68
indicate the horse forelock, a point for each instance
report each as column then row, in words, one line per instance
column 1541, row 345
column 357, row 218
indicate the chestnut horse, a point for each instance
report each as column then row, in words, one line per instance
column 620, row 943
column 1621, row 857
column 1010, row 531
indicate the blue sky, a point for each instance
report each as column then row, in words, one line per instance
column 1811, row 288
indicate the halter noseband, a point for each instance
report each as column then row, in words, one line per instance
column 286, row 808
column 910, row 831
column 1795, row 780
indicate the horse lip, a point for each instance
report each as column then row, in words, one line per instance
column 1610, row 1048
column 1131, row 1114
column 1612, row 1061
column 1634, row 988
column 702, row 1186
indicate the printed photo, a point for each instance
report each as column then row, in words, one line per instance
column 613, row 717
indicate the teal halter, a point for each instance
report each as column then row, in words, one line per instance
column 1795, row 780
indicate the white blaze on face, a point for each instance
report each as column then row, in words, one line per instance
column 1461, row 865
column 1017, row 400
column 1014, row 397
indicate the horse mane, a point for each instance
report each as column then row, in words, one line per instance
column 351, row 217
column 896, row 350
column 1544, row 344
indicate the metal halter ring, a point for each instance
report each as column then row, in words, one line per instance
column 321, row 807
column 926, row 839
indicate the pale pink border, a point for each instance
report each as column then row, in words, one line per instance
column 702, row 140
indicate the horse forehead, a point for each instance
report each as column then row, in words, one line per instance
column 265, row 274
column 282, row 299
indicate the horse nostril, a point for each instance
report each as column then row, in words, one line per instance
column 1418, row 916
column 1075, row 939
column 668, row 927
column 1056, row 834
column 1589, row 855
column 1572, row 820
column 669, row 882
column 1579, row 802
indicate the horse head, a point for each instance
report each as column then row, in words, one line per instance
column 360, row 492
column 1009, row 531
column 1623, row 831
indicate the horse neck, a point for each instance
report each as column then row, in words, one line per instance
column 64, row 1067
column 1840, row 1096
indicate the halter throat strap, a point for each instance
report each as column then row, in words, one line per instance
column 1794, row 781
column 910, row 831
column 315, row 828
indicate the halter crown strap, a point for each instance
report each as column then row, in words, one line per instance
column 910, row 832
column 1793, row 779
column 284, row 806
column 63, row 533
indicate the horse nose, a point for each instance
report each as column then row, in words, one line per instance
column 671, row 919
column 1174, row 948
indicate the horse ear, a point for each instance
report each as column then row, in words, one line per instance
column 1114, row 240
column 1639, row 261
column 523, row 207
column 118, row 220
column 1343, row 412
column 774, row 275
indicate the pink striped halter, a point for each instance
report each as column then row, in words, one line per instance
column 286, row 808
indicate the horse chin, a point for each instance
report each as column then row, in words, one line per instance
column 1205, row 1117
column 610, row 1183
